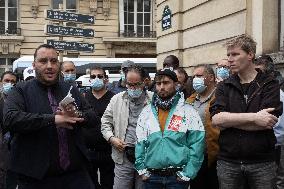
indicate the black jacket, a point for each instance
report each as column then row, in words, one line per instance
column 28, row 115
column 238, row 145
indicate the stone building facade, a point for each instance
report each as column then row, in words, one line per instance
column 123, row 28
column 200, row 28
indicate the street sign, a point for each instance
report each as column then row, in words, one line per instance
column 69, row 17
column 71, row 46
column 166, row 18
column 68, row 31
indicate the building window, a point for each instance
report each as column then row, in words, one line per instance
column 128, row 16
column 136, row 19
column 68, row 5
column 143, row 17
column 8, row 16
column 6, row 64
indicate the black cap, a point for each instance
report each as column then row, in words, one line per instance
column 127, row 64
column 167, row 72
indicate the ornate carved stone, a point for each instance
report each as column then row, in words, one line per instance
column 121, row 45
column 93, row 6
column 109, row 50
column 137, row 48
column 34, row 8
column 4, row 48
column 278, row 58
column 10, row 44
column 106, row 8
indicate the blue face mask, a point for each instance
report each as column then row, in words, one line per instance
column 69, row 77
column 134, row 93
column 7, row 87
column 198, row 85
column 223, row 73
column 97, row 84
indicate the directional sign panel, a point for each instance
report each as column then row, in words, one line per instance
column 68, row 31
column 71, row 46
column 69, row 17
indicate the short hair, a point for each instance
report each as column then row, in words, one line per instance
column 226, row 59
column 98, row 68
column 182, row 71
column 138, row 69
column 10, row 73
column 245, row 42
column 160, row 77
column 147, row 75
column 207, row 68
column 65, row 62
column 175, row 61
column 266, row 61
column 43, row 46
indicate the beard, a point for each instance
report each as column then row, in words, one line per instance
column 164, row 95
column 167, row 102
column 44, row 81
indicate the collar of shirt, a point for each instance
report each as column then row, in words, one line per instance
column 206, row 99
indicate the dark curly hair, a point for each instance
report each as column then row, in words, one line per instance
column 137, row 69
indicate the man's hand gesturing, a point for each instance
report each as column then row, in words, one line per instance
column 66, row 119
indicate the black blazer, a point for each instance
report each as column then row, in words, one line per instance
column 28, row 115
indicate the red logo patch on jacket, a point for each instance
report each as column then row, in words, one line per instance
column 175, row 123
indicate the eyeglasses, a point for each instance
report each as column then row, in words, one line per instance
column 46, row 60
column 96, row 76
column 135, row 85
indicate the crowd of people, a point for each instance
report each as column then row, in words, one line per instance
column 221, row 127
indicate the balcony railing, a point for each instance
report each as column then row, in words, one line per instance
column 151, row 34
column 10, row 31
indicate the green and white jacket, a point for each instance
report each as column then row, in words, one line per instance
column 181, row 145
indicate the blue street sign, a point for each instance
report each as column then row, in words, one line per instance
column 69, row 17
column 71, row 46
column 68, row 31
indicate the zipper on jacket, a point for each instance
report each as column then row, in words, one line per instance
column 246, row 98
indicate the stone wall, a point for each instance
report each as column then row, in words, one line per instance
column 200, row 28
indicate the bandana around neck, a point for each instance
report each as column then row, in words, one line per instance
column 165, row 104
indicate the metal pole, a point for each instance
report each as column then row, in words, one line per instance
column 60, row 37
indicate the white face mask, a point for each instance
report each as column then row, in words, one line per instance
column 69, row 77
column 134, row 93
column 198, row 84
column 6, row 87
column 223, row 73
column 97, row 84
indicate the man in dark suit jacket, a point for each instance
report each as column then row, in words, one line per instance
column 47, row 150
column 8, row 179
